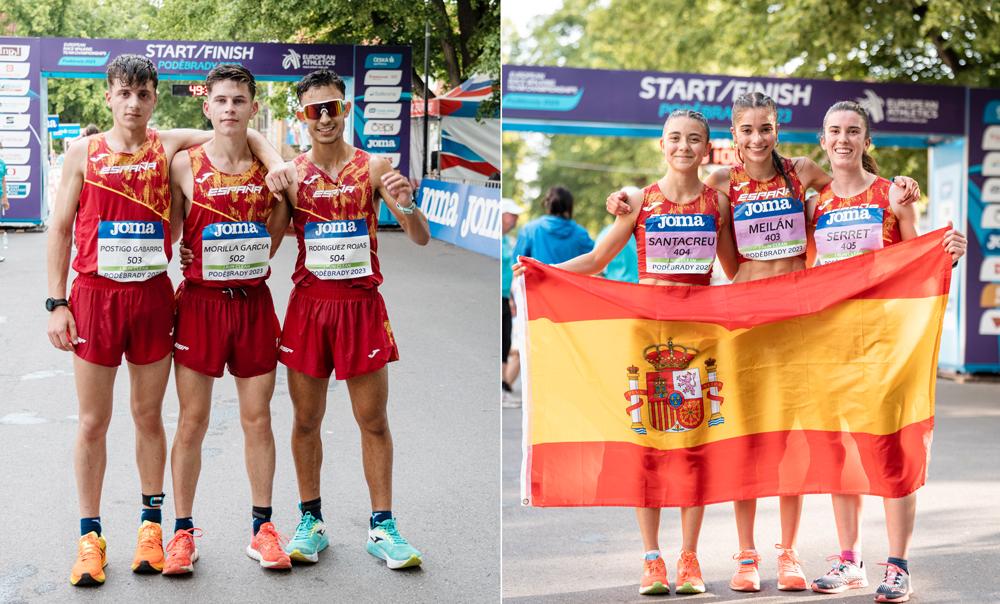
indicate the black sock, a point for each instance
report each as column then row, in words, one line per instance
column 378, row 517
column 313, row 507
column 505, row 386
column 183, row 524
column 260, row 515
column 901, row 563
column 151, row 508
column 88, row 525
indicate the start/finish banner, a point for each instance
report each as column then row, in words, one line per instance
column 599, row 96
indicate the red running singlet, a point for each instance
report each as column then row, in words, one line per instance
column 680, row 249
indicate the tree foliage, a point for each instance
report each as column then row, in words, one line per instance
column 926, row 41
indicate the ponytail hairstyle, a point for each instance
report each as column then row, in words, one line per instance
column 867, row 161
column 759, row 100
column 558, row 201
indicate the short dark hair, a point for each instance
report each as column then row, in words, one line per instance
column 558, row 201
column 234, row 72
column 132, row 70
column 318, row 78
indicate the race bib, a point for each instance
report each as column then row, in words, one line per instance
column 339, row 249
column 848, row 232
column 234, row 250
column 130, row 250
column 770, row 229
column 680, row 243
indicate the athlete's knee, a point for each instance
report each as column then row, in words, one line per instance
column 191, row 427
column 94, row 426
column 374, row 424
column 256, row 423
column 147, row 420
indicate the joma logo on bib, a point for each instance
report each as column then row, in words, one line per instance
column 681, row 220
column 219, row 191
column 235, row 228
column 326, row 228
column 139, row 167
column 771, row 205
column 132, row 228
column 849, row 215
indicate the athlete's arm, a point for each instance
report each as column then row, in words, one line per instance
column 617, row 204
column 810, row 174
column 396, row 190
column 726, row 249
column 62, row 326
column 278, row 221
column 719, row 180
column 280, row 174
column 906, row 215
column 183, row 138
column 180, row 175
column 604, row 252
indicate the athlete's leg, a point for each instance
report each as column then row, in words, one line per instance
column 746, row 512
column 255, row 416
column 649, row 527
column 148, row 384
column 95, row 392
column 900, row 516
column 691, row 520
column 747, row 576
column 790, row 510
column 309, row 400
column 369, row 397
column 847, row 515
column 194, row 391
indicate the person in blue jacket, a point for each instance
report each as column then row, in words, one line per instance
column 555, row 237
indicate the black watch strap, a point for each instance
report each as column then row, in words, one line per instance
column 53, row 303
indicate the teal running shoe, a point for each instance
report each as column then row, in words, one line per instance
column 309, row 540
column 385, row 542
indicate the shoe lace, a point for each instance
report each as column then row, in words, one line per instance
column 389, row 526
column 688, row 564
column 893, row 574
column 305, row 528
column 787, row 559
column 271, row 539
column 748, row 559
column 150, row 537
column 183, row 538
column 656, row 566
column 838, row 564
column 89, row 549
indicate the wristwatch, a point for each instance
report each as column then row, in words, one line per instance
column 53, row 303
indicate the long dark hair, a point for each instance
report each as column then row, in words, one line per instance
column 867, row 161
column 759, row 100
column 558, row 201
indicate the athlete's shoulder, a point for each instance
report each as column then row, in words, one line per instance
column 77, row 154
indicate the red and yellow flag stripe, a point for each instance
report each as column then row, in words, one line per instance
column 826, row 378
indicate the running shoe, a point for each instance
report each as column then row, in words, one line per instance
column 265, row 547
column 149, row 551
column 181, row 552
column 845, row 574
column 790, row 575
column 385, row 542
column 309, row 540
column 91, row 559
column 895, row 586
column 747, row 576
column 689, row 574
column 654, row 577
column 509, row 400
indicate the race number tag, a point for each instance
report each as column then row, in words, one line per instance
column 130, row 250
column 769, row 229
column 234, row 250
column 339, row 249
column 680, row 243
column 848, row 232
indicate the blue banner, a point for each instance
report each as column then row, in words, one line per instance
column 464, row 215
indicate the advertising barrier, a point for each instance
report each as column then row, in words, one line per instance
column 464, row 215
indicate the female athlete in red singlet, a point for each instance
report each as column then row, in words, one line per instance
column 680, row 226
column 860, row 212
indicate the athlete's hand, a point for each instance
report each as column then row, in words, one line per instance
column 911, row 189
column 281, row 178
column 62, row 328
column 5, row 203
column 617, row 204
column 399, row 187
column 187, row 256
column 954, row 243
column 518, row 269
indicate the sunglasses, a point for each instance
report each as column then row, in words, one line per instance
column 333, row 108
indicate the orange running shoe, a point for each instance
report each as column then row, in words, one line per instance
column 747, row 576
column 181, row 552
column 90, row 561
column 149, row 551
column 790, row 575
column 689, row 575
column 266, row 547
column 654, row 577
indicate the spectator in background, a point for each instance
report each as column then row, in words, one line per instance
column 509, row 210
column 624, row 266
column 91, row 129
column 555, row 237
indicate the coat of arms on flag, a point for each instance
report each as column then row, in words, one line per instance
column 674, row 392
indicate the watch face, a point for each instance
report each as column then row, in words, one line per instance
column 48, row 304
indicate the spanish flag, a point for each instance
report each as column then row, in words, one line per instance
column 818, row 381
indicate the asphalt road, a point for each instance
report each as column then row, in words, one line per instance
column 584, row 555
column 443, row 303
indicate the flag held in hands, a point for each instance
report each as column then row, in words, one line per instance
column 818, row 381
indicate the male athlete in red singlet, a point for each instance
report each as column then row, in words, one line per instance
column 225, row 315
column 114, row 200
column 336, row 318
